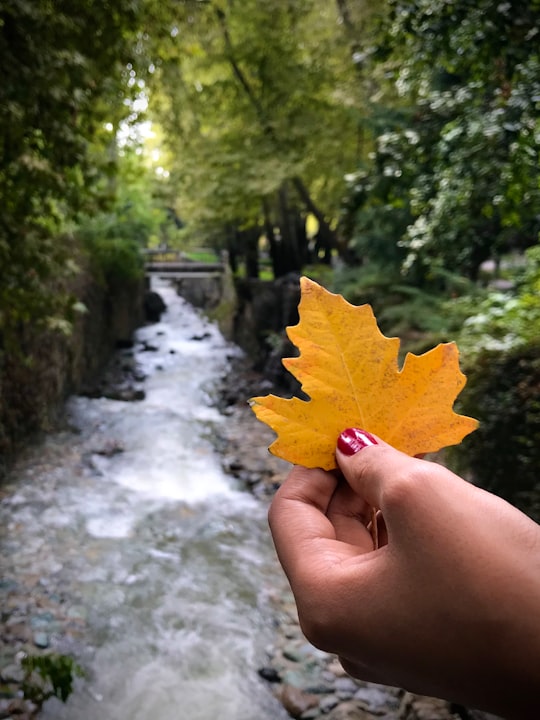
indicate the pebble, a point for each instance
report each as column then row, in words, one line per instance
column 296, row 701
column 41, row 640
column 372, row 698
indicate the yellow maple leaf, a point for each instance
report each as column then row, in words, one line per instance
column 350, row 371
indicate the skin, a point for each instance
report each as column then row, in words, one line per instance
column 447, row 606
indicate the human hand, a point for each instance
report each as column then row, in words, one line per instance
column 448, row 605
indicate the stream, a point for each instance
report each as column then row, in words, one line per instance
column 145, row 561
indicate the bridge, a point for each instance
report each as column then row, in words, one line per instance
column 174, row 265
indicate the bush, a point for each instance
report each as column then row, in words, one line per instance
column 504, row 320
column 116, row 260
column 47, row 676
column 503, row 455
column 420, row 317
column 113, row 244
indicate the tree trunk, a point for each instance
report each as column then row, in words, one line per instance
column 232, row 248
column 326, row 236
column 274, row 243
column 291, row 255
column 251, row 251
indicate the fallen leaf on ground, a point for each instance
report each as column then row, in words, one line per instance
column 350, row 372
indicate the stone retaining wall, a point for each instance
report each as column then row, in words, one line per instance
column 253, row 314
column 34, row 385
column 264, row 310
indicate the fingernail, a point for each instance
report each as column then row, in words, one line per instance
column 353, row 440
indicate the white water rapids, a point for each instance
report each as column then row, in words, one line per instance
column 167, row 561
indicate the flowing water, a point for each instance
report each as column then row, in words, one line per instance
column 164, row 562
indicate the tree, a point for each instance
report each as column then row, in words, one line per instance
column 261, row 106
column 462, row 162
column 61, row 84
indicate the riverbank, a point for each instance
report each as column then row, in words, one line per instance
column 311, row 684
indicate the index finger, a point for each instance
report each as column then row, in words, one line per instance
column 297, row 514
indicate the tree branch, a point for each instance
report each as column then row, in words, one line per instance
column 352, row 33
column 240, row 76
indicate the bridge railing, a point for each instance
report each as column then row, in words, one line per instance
column 175, row 264
column 162, row 255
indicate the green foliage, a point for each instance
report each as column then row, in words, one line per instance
column 202, row 255
column 466, row 189
column 135, row 218
column 321, row 273
column 49, row 676
column 117, row 260
column 421, row 317
column 60, row 84
column 500, row 320
column 377, row 208
column 254, row 96
column 503, row 455
column 454, row 177
column 497, row 334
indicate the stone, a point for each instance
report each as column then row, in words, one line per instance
column 349, row 711
column 294, row 678
column 311, row 714
column 345, row 684
column 295, row 701
column 41, row 640
column 344, row 695
column 42, row 620
column 293, row 653
column 110, row 448
column 12, row 673
column 18, row 632
column 320, row 687
column 127, row 394
column 269, row 674
column 77, row 612
column 328, row 703
column 154, row 306
column 336, row 668
column 426, row 708
column 375, row 698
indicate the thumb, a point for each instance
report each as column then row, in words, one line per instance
column 373, row 468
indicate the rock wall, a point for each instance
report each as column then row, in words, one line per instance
column 254, row 314
column 202, row 292
column 35, row 384
column 215, row 295
column 264, row 310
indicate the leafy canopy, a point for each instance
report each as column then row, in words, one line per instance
column 454, row 177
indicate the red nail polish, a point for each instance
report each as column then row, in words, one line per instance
column 353, row 440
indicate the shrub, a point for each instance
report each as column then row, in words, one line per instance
column 113, row 244
column 47, row 676
column 116, row 260
column 503, row 455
